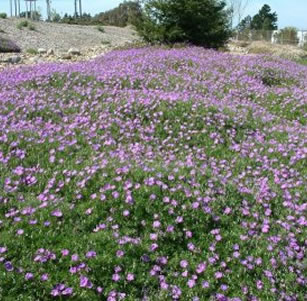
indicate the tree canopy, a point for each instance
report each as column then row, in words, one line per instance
column 200, row 22
column 265, row 19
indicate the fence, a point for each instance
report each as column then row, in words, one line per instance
column 284, row 36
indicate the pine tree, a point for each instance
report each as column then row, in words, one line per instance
column 200, row 22
column 265, row 19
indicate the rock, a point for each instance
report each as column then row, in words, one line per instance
column 41, row 50
column 34, row 60
column 50, row 51
column 73, row 51
column 14, row 59
column 7, row 45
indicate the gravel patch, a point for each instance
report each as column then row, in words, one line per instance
column 61, row 37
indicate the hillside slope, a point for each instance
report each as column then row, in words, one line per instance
column 61, row 37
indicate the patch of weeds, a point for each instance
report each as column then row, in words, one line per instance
column 32, row 27
column 101, row 29
column 105, row 42
column 23, row 24
column 32, row 51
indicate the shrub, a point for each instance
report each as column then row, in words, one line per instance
column 7, row 45
column 3, row 15
column 101, row 29
column 23, row 24
column 32, row 51
column 288, row 35
column 31, row 27
column 200, row 22
column 126, row 13
column 105, row 42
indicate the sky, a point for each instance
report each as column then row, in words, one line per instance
column 290, row 12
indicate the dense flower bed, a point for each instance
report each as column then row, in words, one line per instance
column 153, row 174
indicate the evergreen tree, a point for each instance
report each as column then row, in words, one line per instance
column 265, row 19
column 200, row 22
column 245, row 24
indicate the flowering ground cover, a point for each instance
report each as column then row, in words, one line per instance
column 153, row 174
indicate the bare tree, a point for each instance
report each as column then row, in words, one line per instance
column 80, row 7
column 15, row 7
column 76, row 13
column 237, row 9
column 11, row 7
column 48, row 2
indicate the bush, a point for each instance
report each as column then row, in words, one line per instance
column 101, row 29
column 200, row 22
column 23, row 24
column 3, row 15
column 126, row 13
column 31, row 27
column 7, row 45
column 105, row 42
column 288, row 35
column 32, row 51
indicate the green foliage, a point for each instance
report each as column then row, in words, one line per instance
column 105, row 42
column 302, row 61
column 101, row 29
column 22, row 24
column 128, row 12
column 35, row 15
column 26, row 24
column 245, row 24
column 200, row 22
column 85, row 19
column 264, row 19
column 31, row 27
column 55, row 17
column 3, row 15
column 32, row 51
column 287, row 35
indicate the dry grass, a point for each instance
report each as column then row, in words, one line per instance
column 261, row 47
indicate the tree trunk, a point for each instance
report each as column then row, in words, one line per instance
column 15, row 7
column 27, row 12
column 75, row 9
column 18, row 8
column 11, row 7
column 80, row 7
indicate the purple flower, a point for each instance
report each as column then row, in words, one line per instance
column 8, row 266
column 130, row 277
column 184, row 263
column 85, row 282
column 91, row 254
column 75, row 257
column 57, row 213
column 65, row 252
column 3, row 250
column 44, row 277
column 29, row 276
column 116, row 277
column 191, row 283
column 67, row 291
